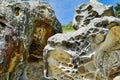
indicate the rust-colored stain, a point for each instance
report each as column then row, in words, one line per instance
column 9, row 47
column 42, row 31
column 16, row 57
column 13, row 55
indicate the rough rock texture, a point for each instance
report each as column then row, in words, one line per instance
column 24, row 30
column 7, row 46
column 108, row 55
column 85, row 12
column 90, row 53
column 15, row 61
column 45, row 25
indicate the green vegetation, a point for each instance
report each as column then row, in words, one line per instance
column 67, row 28
column 117, row 10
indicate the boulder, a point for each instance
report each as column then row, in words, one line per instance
column 29, row 25
column 90, row 53
column 73, row 53
column 88, row 11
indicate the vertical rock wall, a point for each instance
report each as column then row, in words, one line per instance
column 25, row 29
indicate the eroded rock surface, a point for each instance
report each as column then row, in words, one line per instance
column 45, row 25
column 25, row 28
column 88, row 11
column 90, row 53
column 15, row 54
column 107, row 56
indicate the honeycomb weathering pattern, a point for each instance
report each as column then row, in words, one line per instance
column 79, row 46
column 32, row 24
column 78, row 55
column 86, row 12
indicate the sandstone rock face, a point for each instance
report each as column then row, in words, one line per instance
column 24, row 30
column 86, row 12
column 107, row 56
column 90, row 53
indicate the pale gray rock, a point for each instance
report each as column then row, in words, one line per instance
column 32, row 24
column 88, row 11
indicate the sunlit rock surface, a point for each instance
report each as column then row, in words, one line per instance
column 88, row 11
column 107, row 57
column 90, row 53
column 24, row 28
